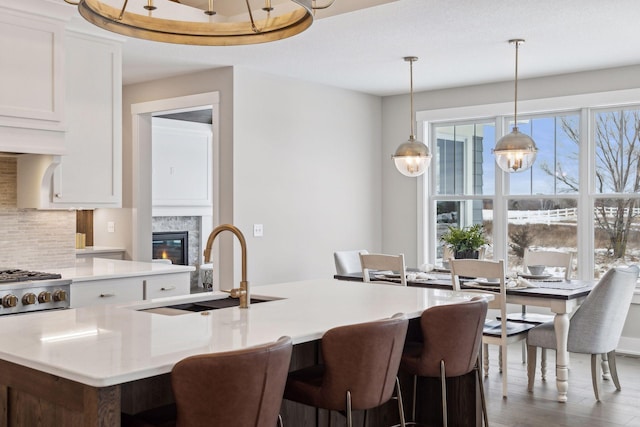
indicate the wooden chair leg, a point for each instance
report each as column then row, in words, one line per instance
column 531, row 366
column 611, row 357
column 595, row 368
column 524, row 343
column 500, row 359
column 503, row 365
column 485, row 362
column 604, row 365
column 543, row 363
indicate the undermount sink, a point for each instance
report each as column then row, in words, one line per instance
column 212, row 304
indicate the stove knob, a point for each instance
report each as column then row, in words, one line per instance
column 59, row 295
column 28, row 299
column 9, row 301
column 44, row 297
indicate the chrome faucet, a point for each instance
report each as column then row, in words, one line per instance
column 243, row 291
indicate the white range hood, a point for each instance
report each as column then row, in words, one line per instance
column 35, row 178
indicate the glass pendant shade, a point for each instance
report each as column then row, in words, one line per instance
column 515, row 152
column 412, row 158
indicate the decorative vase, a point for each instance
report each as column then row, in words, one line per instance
column 468, row 254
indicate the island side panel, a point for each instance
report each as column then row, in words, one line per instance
column 33, row 398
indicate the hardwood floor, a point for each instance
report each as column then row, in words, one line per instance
column 540, row 408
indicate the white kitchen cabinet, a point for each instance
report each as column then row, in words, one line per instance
column 182, row 168
column 126, row 289
column 32, row 87
column 167, row 285
column 90, row 174
column 106, row 291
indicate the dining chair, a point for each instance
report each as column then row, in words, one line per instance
column 383, row 262
column 497, row 332
column 359, row 369
column 440, row 356
column 557, row 259
column 595, row 328
column 240, row 388
column 348, row 262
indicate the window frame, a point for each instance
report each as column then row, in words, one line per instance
column 586, row 105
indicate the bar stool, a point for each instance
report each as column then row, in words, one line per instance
column 450, row 346
column 235, row 388
column 359, row 370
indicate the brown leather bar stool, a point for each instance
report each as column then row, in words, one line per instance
column 359, row 369
column 235, row 388
column 450, row 346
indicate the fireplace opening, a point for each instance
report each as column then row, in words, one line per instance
column 171, row 245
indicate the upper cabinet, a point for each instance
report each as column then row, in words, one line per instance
column 182, row 168
column 32, row 84
column 89, row 174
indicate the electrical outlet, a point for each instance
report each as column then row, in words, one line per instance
column 257, row 230
column 111, row 227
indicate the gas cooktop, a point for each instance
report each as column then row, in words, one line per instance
column 17, row 275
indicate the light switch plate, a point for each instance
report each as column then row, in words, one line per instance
column 257, row 230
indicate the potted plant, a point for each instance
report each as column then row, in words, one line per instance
column 465, row 242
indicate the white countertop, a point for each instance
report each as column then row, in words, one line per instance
column 102, row 268
column 94, row 250
column 106, row 345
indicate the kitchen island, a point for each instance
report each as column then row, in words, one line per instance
column 83, row 366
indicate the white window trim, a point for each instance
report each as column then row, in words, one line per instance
column 583, row 103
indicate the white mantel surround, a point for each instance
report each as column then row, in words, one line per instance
column 107, row 345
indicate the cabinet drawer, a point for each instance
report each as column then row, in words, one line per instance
column 109, row 291
column 167, row 285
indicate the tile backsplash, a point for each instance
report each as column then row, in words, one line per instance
column 29, row 238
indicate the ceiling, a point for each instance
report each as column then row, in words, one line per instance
column 458, row 42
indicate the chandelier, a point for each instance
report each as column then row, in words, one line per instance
column 202, row 22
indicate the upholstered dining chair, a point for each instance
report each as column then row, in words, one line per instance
column 383, row 262
column 439, row 355
column 235, row 388
column 348, row 262
column 359, row 369
column 497, row 332
column 557, row 259
column 595, row 328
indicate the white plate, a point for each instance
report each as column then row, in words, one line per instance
column 534, row 276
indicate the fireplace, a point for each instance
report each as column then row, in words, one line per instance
column 172, row 245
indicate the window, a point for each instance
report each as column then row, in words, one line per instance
column 616, row 231
column 581, row 195
column 465, row 170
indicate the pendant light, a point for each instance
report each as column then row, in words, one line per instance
column 515, row 152
column 412, row 157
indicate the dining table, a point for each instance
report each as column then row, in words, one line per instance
column 559, row 295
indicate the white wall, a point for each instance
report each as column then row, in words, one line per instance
column 307, row 167
column 400, row 226
column 300, row 158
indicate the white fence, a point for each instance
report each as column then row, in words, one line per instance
column 549, row 216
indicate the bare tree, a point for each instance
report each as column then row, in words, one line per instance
column 617, row 170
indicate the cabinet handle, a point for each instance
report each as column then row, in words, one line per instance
column 107, row 295
column 168, row 288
